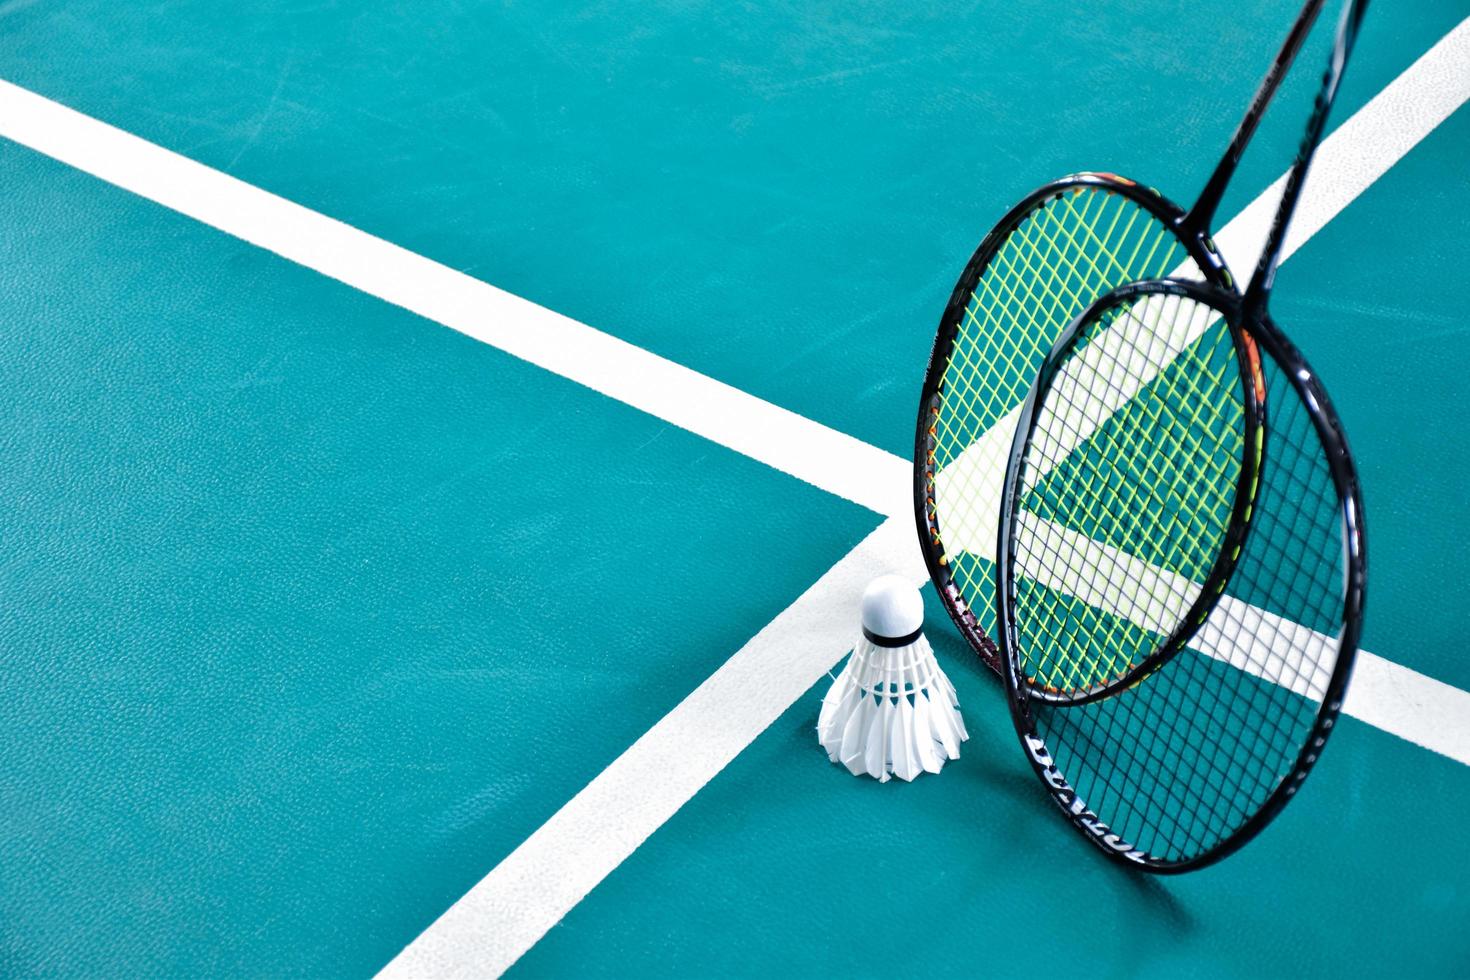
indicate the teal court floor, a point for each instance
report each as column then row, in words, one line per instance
column 318, row 614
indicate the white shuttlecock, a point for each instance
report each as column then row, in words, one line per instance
column 891, row 712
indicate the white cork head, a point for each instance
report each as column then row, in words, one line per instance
column 892, row 607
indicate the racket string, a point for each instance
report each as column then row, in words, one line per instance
column 1181, row 760
column 1102, row 483
column 1059, row 257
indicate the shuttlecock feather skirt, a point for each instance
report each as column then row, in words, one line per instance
column 891, row 712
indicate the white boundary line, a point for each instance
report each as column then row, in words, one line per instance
column 488, row 929
column 781, row 439
column 529, row 892
column 509, row 910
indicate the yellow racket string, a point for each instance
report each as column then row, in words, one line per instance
column 1059, row 258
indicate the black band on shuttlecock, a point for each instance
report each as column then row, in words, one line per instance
column 893, row 641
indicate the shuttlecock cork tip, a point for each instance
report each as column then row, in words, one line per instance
column 893, row 611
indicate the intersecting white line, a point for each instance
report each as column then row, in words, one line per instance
column 509, row 910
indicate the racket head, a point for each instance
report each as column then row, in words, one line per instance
column 1189, row 763
column 987, row 350
column 1135, row 464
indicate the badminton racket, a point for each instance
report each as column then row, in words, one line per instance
column 1210, row 740
column 1055, row 252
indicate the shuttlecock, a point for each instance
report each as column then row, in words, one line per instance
column 891, row 712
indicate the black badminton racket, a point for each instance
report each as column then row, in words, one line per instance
column 1210, row 740
column 1054, row 253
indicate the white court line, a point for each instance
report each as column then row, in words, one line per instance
column 609, row 818
column 784, row 440
column 529, row 892
column 488, row 929
column 524, row 896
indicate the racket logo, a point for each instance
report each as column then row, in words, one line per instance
column 1073, row 805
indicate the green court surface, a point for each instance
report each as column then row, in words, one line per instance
column 316, row 610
